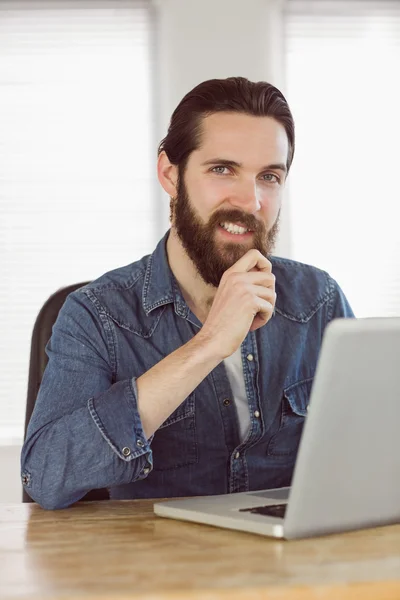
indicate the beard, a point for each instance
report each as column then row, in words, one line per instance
column 210, row 257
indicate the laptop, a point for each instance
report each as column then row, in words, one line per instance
column 347, row 472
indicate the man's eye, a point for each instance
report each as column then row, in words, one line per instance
column 219, row 170
column 270, row 177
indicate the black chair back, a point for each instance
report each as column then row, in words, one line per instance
column 38, row 360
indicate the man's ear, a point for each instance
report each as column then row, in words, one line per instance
column 167, row 174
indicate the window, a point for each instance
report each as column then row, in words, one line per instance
column 342, row 62
column 76, row 161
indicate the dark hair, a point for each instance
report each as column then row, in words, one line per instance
column 234, row 94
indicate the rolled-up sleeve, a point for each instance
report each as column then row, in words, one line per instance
column 85, row 432
column 116, row 416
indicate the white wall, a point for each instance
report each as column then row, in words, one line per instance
column 198, row 40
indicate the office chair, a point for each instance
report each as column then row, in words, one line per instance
column 38, row 360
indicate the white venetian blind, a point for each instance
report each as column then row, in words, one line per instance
column 343, row 85
column 76, row 146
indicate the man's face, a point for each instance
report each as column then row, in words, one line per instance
column 230, row 195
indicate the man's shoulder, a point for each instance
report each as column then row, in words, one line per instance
column 301, row 289
column 294, row 267
column 118, row 293
column 120, row 278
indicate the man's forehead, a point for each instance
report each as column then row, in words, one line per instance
column 233, row 132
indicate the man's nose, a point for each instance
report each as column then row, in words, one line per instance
column 246, row 196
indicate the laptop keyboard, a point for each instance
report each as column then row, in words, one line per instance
column 273, row 510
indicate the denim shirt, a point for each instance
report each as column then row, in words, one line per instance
column 86, row 431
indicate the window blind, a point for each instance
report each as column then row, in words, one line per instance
column 76, row 161
column 342, row 82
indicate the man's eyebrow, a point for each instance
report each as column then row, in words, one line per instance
column 232, row 163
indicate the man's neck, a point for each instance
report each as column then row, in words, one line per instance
column 197, row 294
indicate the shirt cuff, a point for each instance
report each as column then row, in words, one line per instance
column 116, row 415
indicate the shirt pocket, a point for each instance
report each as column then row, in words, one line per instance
column 174, row 444
column 285, row 441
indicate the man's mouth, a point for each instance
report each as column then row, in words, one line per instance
column 235, row 229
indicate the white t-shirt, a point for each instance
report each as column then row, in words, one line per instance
column 234, row 371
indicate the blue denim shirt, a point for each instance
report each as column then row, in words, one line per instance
column 86, row 431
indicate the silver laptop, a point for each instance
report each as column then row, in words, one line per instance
column 347, row 472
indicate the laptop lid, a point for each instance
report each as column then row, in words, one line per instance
column 347, row 473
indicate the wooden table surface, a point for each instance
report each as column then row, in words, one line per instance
column 121, row 550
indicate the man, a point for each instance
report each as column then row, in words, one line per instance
column 189, row 372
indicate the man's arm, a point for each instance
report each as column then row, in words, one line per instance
column 87, row 432
column 82, row 423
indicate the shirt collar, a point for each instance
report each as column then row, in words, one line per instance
column 160, row 286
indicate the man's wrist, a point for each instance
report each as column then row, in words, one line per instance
column 207, row 348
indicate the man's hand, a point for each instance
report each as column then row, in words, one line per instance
column 244, row 301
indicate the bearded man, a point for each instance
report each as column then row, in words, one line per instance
column 189, row 371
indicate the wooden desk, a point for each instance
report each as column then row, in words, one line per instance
column 121, row 550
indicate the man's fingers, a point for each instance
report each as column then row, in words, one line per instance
column 252, row 259
column 266, row 293
column 261, row 278
column 264, row 313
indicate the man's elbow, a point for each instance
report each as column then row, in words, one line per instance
column 50, row 499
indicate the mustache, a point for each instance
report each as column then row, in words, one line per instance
column 236, row 216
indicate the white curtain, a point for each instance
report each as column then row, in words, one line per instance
column 343, row 85
column 76, row 161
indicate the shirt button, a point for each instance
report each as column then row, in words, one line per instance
column 226, row 402
column 126, row 451
column 256, row 414
column 24, row 480
column 146, row 470
column 237, row 454
column 250, row 357
column 140, row 443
